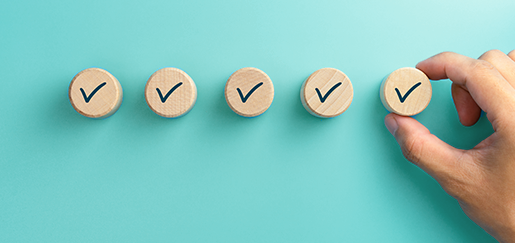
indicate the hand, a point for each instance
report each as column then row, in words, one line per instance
column 481, row 179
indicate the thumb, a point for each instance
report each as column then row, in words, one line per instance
column 422, row 148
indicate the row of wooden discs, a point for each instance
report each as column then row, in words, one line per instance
column 249, row 92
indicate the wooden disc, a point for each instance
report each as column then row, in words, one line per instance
column 406, row 91
column 249, row 92
column 170, row 92
column 326, row 93
column 95, row 93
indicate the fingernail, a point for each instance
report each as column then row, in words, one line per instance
column 391, row 124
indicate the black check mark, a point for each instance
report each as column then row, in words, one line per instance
column 323, row 98
column 87, row 98
column 163, row 99
column 403, row 98
column 244, row 98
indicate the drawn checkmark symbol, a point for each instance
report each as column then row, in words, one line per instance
column 403, row 98
column 163, row 99
column 87, row 98
column 323, row 98
column 244, row 98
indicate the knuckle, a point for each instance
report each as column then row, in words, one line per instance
column 512, row 54
column 454, row 188
column 481, row 66
column 412, row 149
column 447, row 54
column 491, row 54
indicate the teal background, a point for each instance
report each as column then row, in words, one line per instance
column 212, row 176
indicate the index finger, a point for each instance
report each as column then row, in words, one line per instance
column 486, row 85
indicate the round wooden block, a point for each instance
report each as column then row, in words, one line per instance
column 326, row 93
column 249, row 92
column 170, row 92
column 95, row 93
column 406, row 91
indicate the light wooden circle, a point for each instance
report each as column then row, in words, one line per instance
column 255, row 95
column 395, row 91
column 95, row 93
column 326, row 93
column 170, row 92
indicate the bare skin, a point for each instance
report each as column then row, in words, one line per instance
column 482, row 179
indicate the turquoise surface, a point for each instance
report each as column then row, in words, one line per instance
column 213, row 176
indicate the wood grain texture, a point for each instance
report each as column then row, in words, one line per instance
column 327, row 93
column 95, row 93
column 170, row 92
column 406, row 91
column 252, row 99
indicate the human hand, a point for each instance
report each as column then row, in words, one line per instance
column 482, row 179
